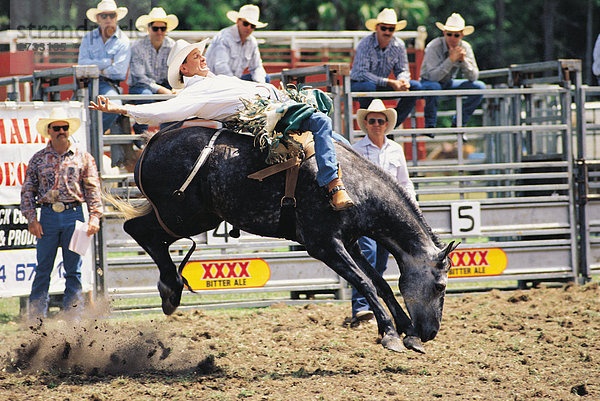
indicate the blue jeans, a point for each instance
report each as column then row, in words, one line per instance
column 58, row 229
column 320, row 126
column 248, row 77
column 145, row 90
column 109, row 120
column 404, row 106
column 377, row 256
column 469, row 104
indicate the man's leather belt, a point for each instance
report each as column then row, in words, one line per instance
column 110, row 81
column 61, row 206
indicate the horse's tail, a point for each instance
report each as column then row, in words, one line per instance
column 126, row 209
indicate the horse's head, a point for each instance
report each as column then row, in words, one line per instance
column 422, row 284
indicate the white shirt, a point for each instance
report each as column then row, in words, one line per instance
column 227, row 55
column 214, row 97
column 390, row 158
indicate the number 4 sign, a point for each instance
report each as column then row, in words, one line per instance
column 466, row 218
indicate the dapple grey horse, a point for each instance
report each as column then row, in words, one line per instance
column 222, row 191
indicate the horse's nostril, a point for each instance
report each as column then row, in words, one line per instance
column 440, row 287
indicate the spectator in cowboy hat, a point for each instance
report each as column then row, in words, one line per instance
column 444, row 57
column 234, row 49
column 58, row 179
column 376, row 122
column 108, row 47
column 148, row 68
column 379, row 54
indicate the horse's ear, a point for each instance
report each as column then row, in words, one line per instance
column 449, row 248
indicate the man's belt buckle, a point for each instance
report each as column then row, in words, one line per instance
column 58, row 207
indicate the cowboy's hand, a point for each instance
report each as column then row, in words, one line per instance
column 92, row 229
column 164, row 91
column 456, row 54
column 35, row 228
column 105, row 106
column 399, row 85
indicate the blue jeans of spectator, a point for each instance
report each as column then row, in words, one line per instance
column 145, row 90
column 469, row 104
column 109, row 120
column 248, row 77
column 377, row 256
column 404, row 106
column 321, row 127
column 58, row 229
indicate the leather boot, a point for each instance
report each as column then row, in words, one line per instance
column 339, row 197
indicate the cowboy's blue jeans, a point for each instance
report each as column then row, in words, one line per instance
column 321, row 127
column 58, row 229
column 377, row 256
column 248, row 77
column 404, row 106
column 469, row 103
column 117, row 153
column 145, row 90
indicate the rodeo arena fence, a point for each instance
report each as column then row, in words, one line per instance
column 520, row 187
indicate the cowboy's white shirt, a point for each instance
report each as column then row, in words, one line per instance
column 214, row 97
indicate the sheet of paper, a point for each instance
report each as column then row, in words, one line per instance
column 80, row 242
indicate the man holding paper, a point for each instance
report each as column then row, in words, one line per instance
column 58, row 179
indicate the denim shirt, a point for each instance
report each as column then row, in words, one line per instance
column 111, row 57
column 374, row 64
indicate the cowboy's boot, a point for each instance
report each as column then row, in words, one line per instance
column 339, row 197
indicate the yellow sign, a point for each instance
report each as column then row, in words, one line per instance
column 227, row 274
column 477, row 262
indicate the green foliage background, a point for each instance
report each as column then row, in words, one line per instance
column 506, row 31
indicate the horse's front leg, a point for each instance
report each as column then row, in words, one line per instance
column 403, row 322
column 146, row 231
column 334, row 254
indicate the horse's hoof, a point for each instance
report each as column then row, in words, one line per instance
column 414, row 343
column 392, row 343
column 170, row 299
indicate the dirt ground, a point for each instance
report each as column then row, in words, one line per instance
column 526, row 345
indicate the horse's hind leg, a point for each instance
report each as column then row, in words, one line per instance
column 148, row 233
column 335, row 255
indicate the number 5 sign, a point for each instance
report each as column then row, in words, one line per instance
column 466, row 218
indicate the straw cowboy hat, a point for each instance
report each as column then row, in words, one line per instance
column 376, row 106
column 176, row 57
column 157, row 14
column 455, row 23
column 106, row 6
column 386, row 16
column 57, row 114
column 249, row 12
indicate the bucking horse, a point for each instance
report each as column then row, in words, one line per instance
column 221, row 191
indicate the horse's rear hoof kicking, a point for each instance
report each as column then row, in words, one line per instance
column 170, row 298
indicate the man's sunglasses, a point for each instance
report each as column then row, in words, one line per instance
column 450, row 34
column 108, row 15
column 387, row 28
column 246, row 23
column 380, row 121
column 159, row 28
column 57, row 128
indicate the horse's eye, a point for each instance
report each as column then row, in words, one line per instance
column 440, row 287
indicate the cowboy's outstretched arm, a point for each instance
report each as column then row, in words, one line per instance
column 106, row 106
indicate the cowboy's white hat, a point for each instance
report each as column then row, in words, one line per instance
column 386, row 16
column 106, row 6
column 157, row 14
column 57, row 114
column 376, row 106
column 176, row 57
column 249, row 12
column 455, row 23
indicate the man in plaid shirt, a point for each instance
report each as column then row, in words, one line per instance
column 58, row 179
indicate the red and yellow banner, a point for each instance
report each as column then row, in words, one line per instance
column 227, row 274
column 477, row 262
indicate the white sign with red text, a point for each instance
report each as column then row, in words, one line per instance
column 19, row 140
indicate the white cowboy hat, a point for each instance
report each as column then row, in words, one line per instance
column 57, row 114
column 386, row 16
column 176, row 57
column 376, row 106
column 455, row 23
column 249, row 12
column 106, row 6
column 157, row 14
